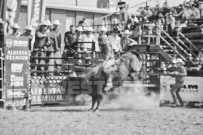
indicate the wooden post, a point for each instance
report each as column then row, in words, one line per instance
column 140, row 35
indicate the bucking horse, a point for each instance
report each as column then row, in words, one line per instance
column 95, row 82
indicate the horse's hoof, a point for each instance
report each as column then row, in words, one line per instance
column 90, row 110
column 96, row 111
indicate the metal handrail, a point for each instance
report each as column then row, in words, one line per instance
column 164, row 32
column 178, row 53
column 191, row 44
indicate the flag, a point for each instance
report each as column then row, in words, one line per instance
column 3, row 9
column 37, row 9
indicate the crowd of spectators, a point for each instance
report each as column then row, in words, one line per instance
column 45, row 41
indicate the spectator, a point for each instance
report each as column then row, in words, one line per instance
column 2, row 33
column 70, row 42
column 147, row 12
column 49, row 25
column 170, row 21
column 185, row 13
column 115, row 42
column 55, row 45
column 28, row 33
column 89, row 37
column 122, row 5
column 41, row 40
column 127, row 42
column 195, row 12
column 116, row 25
column 200, row 3
column 15, row 30
column 161, row 20
column 79, row 38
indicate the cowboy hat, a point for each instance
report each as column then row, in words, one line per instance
column 126, row 32
column 48, row 22
column 103, row 29
column 116, row 30
column 180, row 61
column 89, row 29
column 1, row 21
column 43, row 23
column 16, row 26
column 79, row 28
column 28, row 27
column 56, row 22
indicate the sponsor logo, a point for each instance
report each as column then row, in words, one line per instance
column 16, row 81
column 20, row 93
column 9, row 43
column 16, row 67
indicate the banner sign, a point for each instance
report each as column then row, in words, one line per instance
column 192, row 90
column 37, row 11
column 16, row 73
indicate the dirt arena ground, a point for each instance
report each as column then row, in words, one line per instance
column 118, row 118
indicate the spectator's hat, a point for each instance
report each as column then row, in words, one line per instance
column 1, row 21
column 89, row 29
column 28, row 27
column 189, row 55
column 174, row 61
column 180, row 61
column 43, row 23
column 48, row 23
column 57, row 22
column 116, row 31
column 16, row 26
column 126, row 32
column 103, row 29
column 79, row 28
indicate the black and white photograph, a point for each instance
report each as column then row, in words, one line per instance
column 101, row 67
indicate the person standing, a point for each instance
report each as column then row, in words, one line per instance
column 179, row 82
column 28, row 33
column 54, row 46
column 126, row 42
column 15, row 32
column 170, row 21
column 115, row 42
column 70, row 41
column 41, row 41
column 122, row 5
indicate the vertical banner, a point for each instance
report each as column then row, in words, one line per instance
column 16, row 73
column 37, row 11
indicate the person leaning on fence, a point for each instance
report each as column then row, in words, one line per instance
column 115, row 42
column 2, row 33
column 87, row 46
column 54, row 47
column 79, row 38
column 127, row 42
column 15, row 32
column 28, row 33
column 70, row 42
column 179, row 82
column 41, row 40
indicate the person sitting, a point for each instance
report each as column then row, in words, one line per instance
column 127, row 42
column 186, row 12
column 195, row 12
